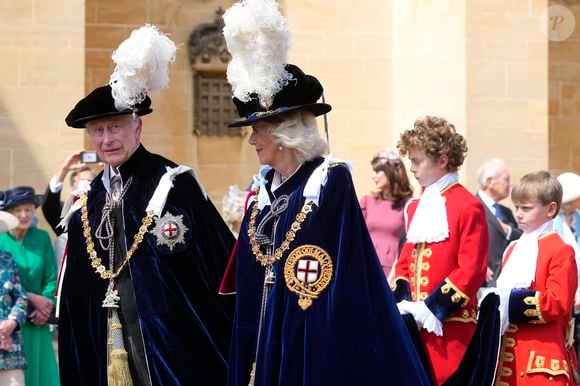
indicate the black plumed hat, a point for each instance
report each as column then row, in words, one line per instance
column 301, row 93
column 100, row 104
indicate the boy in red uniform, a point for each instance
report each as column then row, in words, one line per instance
column 539, row 275
column 444, row 259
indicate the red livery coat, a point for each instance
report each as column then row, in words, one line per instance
column 448, row 274
column 534, row 349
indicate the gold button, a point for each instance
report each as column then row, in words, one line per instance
column 522, row 374
column 551, row 379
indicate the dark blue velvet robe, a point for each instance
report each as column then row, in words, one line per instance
column 185, row 324
column 352, row 334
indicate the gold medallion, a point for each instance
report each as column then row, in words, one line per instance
column 308, row 271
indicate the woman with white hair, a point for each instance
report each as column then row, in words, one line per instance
column 313, row 305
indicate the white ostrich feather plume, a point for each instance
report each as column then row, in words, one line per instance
column 142, row 65
column 258, row 40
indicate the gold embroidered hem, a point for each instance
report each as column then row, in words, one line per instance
column 553, row 366
column 467, row 316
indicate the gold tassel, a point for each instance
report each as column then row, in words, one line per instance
column 118, row 371
column 252, row 375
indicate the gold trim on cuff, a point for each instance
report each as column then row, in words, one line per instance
column 457, row 296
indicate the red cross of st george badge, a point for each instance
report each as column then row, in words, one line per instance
column 170, row 230
column 307, row 271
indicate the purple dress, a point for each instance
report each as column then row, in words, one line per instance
column 385, row 225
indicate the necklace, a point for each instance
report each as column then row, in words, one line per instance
column 96, row 262
column 290, row 235
column 281, row 177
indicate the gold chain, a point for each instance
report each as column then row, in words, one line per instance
column 290, row 235
column 96, row 262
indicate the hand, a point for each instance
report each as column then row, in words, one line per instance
column 405, row 307
column 6, row 343
column 423, row 316
column 38, row 318
column 7, row 326
column 489, row 275
column 41, row 305
column 72, row 162
column 504, row 295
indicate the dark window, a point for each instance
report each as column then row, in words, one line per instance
column 213, row 109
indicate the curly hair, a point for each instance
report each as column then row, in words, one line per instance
column 436, row 137
column 398, row 186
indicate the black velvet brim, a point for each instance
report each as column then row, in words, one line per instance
column 81, row 122
column 315, row 108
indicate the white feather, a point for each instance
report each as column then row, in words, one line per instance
column 142, row 65
column 258, row 39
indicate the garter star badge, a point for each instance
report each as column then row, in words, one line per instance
column 170, row 230
column 308, row 271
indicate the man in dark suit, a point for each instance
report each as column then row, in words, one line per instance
column 494, row 182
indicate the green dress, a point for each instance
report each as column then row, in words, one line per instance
column 37, row 266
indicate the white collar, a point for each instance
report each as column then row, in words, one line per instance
column 313, row 185
column 487, row 201
column 108, row 173
column 429, row 224
column 520, row 269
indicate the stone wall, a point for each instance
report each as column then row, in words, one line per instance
column 347, row 46
column 41, row 77
column 564, row 96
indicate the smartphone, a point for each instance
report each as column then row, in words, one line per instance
column 90, row 157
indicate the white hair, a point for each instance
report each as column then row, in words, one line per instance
column 490, row 169
column 297, row 130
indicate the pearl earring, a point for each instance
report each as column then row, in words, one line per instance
column 280, row 147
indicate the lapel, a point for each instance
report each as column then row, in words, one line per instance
column 491, row 219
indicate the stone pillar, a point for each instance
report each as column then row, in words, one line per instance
column 347, row 46
column 564, row 88
column 41, row 77
column 483, row 66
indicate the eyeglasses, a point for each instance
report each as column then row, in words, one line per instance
column 97, row 129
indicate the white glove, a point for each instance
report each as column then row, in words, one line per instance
column 504, row 302
column 422, row 315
